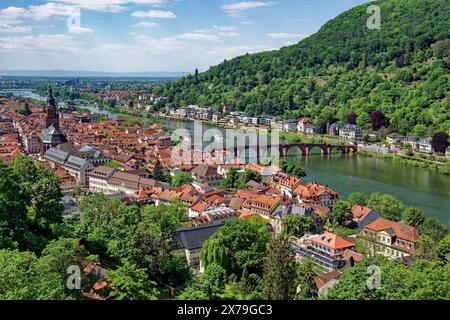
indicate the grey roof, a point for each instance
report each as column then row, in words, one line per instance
column 75, row 162
column 53, row 136
column 56, row 155
column 282, row 210
column 102, row 172
column 203, row 171
column 350, row 127
column 193, row 238
column 132, row 181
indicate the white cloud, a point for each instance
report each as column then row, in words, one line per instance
column 236, row 9
column 40, row 43
column 80, row 30
column 145, row 24
column 154, row 14
column 8, row 28
column 198, row 36
column 109, row 5
column 45, row 11
column 285, row 35
column 12, row 15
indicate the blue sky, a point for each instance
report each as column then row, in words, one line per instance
column 152, row 35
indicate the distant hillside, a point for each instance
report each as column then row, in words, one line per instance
column 401, row 69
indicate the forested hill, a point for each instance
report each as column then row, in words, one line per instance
column 401, row 69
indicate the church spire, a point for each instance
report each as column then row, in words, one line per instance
column 51, row 100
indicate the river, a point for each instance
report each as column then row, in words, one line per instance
column 426, row 190
column 415, row 187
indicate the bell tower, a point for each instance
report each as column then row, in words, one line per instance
column 52, row 111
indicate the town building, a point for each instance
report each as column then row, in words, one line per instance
column 262, row 204
column 112, row 181
column 424, row 145
column 389, row 238
column 326, row 249
column 393, row 138
column 362, row 216
column 284, row 210
column 314, row 193
column 350, row 133
column 205, row 174
column 333, row 129
column 191, row 241
column 75, row 166
column 305, row 125
column 411, row 141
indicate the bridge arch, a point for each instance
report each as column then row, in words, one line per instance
column 299, row 150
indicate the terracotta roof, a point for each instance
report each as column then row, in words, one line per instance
column 357, row 257
column 322, row 280
column 401, row 230
column 200, row 206
column 245, row 214
column 332, row 241
column 360, row 211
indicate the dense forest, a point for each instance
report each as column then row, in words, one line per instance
column 401, row 69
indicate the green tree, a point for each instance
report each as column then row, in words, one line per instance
column 62, row 253
column 47, row 196
column 158, row 172
column 232, row 179
column 357, row 198
column 239, row 245
column 251, row 175
column 413, row 217
column 296, row 225
column 427, row 249
column 128, row 282
column 307, row 270
column 434, row 229
column 13, row 201
column 214, row 280
column 444, row 245
column 182, row 179
column 23, row 277
column 424, row 280
column 279, row 270
column 342, row 213
column 292, row 169
column 387, row 205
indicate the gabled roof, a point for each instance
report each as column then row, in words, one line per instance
column 360, row 211
column 193, row 238
column 332, row 241
column 203, row 171
column 398, row 229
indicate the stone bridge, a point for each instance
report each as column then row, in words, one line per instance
column 305, row 148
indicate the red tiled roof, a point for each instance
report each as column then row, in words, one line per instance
column 332, row 241
column 360, row 211
column 401, row 230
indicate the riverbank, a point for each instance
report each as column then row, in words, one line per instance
column 440, row 167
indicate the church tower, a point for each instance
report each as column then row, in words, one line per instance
column 51, row 135
column 52, row 111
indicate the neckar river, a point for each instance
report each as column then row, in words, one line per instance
column 415, row 187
